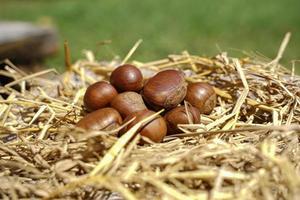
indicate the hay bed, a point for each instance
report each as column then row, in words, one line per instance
column 248, row 148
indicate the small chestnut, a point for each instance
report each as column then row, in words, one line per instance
column 165, row 90
column 127, row 78
column 179, row 115
column 102, row 119
column 155, row 130
column 99, row 95
column 128, row 102
column 202, row 96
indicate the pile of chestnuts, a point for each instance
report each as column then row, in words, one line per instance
column 128, row 95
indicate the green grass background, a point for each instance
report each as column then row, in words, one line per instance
column 166, row 26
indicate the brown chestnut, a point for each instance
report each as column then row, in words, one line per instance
column 179, row 115
column 127, row 78
column 99, row 95
column 102, row 119
column 155, row 130
column 202, row 96
column 127, row 103
column 165, row 90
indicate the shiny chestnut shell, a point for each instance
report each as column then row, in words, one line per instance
column 128, row 102
column 165, row 90
column 202, row 96
column 127, row 78
column 99, row 95
column 179, row 115
column 155, row 130
column 102, row 119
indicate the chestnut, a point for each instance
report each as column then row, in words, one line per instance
column 127, row 78
column 127, row 103
column 102, row 119
column 99, row 95
column 202, row 96
column 155, row 130
column 179, row 115
column 166, row 89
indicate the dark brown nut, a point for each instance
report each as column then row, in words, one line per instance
column 99, row 95
column 102, row 119
column 179, row 115
column 155, row 130
column 202, row 96
column 127, row 103
column 127, row 78
column 165, row 90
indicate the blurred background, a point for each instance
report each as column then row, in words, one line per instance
column 203, row 27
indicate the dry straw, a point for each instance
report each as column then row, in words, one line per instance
column 247, row 148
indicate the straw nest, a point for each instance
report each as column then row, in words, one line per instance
column 248, row 148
